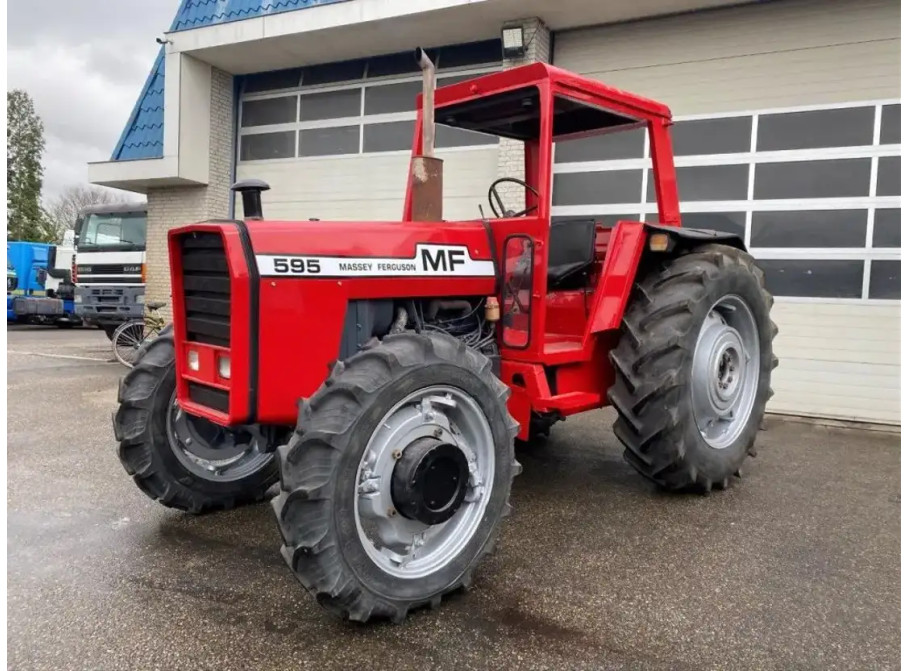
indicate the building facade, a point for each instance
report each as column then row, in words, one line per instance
column 787, row 132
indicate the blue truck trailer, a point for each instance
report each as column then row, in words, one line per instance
column 39, row 286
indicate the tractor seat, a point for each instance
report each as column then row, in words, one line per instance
column 155, row 305
column 571, row 252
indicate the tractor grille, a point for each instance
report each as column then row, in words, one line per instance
column 206, row 289
column 210, row 397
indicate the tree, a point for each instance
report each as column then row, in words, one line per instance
column 63, row 210
column 24, row 173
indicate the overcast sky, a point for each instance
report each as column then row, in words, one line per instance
column 84, row 63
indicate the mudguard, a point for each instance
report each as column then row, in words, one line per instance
column 694, row 237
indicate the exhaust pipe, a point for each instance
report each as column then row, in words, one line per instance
column 251, row 192
column 429, row 109
column 426, row 169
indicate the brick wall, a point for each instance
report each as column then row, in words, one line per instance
column 511, row 152
column 175, row 206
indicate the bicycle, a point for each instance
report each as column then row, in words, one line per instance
column 130, row 336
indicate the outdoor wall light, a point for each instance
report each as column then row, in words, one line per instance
column 513, row 42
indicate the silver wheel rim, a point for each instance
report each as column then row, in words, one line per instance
column 725, row 371
column 238, row 452
column 407, row 548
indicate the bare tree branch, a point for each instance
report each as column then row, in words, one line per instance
column 63, row 210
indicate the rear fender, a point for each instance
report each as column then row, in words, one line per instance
column 628, row 256
column 684, row 239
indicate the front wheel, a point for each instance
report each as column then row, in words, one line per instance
column 396, row 480
column 692, row 368
column 180, row 460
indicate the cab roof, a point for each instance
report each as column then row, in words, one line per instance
column 508, row 104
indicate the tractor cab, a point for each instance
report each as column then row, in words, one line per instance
column 550, row 269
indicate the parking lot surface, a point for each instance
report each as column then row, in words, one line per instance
column 795, row 566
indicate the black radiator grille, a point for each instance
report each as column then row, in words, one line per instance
column 206, row 289
column 208, row 396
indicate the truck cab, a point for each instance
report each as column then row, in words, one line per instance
column 110, row 264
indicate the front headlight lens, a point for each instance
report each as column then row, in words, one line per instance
column 224, row 367
column 192, row 360
column 140, row 299
column 77, row 298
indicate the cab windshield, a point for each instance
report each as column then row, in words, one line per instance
column 121, row 232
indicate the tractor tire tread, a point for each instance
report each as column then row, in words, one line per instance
column 647, row 360
column 133, row 431
column 309, row 461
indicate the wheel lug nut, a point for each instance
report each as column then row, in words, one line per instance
column 438, row 432
column 396, row 455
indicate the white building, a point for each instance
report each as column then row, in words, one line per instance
column 788, row 132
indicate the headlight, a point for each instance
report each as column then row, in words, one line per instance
column 77, row 298
column 224, row 367
column 192, row 360
column 140, row 299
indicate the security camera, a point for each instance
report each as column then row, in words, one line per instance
column 163, row 40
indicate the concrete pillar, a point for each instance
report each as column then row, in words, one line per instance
column 511, row 152
column 174, row 206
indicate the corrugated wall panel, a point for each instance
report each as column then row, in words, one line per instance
column 368, row 186
column 767, row 55
column 837, row 359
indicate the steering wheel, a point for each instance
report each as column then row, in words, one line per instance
column 500, row 211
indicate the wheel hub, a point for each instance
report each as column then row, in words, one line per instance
column 429, row 481
column 424, row 481
column 725, row 371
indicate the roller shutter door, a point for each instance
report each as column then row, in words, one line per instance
column 333, row 141
column 788, row 132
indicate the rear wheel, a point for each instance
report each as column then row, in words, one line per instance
column 693, row 368
column 180, row 460
column 394, row 485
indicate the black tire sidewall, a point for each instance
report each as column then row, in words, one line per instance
column 161, row 451
column 734, row 280
column 344, row 499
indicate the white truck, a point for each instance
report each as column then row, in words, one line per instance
column 110, row 264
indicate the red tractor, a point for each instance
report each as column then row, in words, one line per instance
column 381, row 371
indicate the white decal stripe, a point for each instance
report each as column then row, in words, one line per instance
column 429, row 261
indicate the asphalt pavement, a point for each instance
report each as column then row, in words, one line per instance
column 796, row 566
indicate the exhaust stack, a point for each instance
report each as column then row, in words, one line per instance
column 251, row 192
column 426, row 169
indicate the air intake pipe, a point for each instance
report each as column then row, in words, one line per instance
column 426, row 169
column 250, row 191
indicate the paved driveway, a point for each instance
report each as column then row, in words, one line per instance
column 795, row 566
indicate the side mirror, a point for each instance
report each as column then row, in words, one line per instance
column 251, row 192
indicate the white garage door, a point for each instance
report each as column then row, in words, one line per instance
column 338, row 146
column 788, row 132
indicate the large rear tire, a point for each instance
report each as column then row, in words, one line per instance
column 693, row 368
column 355, row 534
column 181, row 461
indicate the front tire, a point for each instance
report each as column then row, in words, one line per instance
column 181, row 461
column 692, row 368
column 362, row 543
